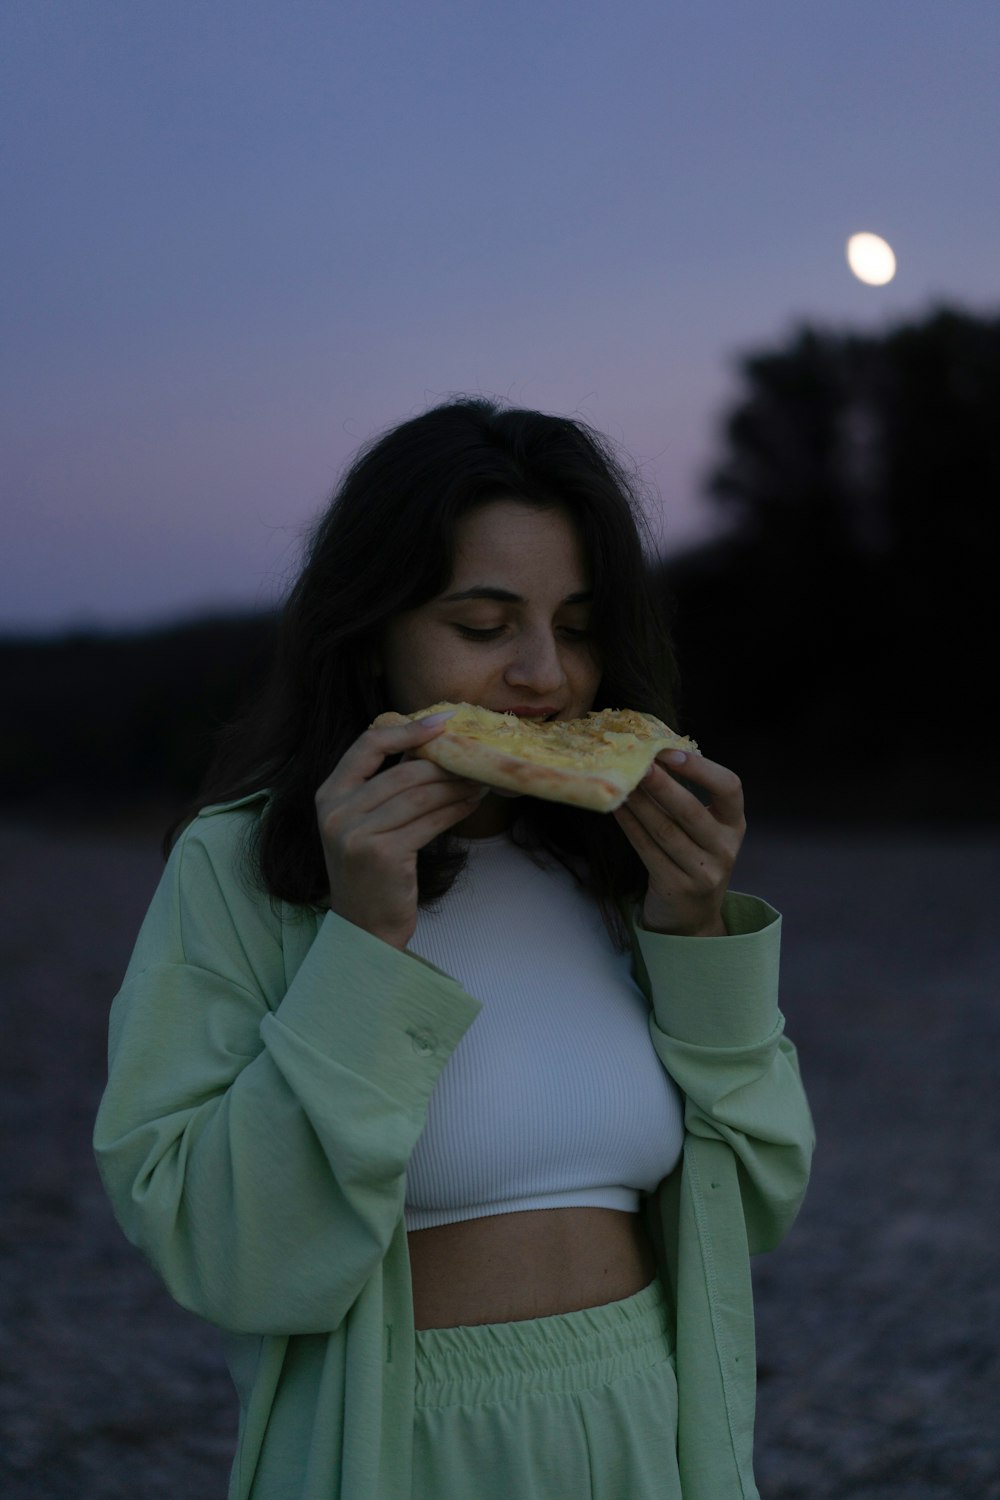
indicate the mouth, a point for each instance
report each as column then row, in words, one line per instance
column 523, row 712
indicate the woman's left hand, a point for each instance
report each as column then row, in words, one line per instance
column 689, row 849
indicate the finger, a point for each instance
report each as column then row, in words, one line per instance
column 422, row 830
column 375, row 804
column 650, row 850
column 362, row 759
column 723, row 785
column 666, row 840
column 399, row 778
column 722, row 788
column 409, row 806
column 661, row 802
column 693, row 836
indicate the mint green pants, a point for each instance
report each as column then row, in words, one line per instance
column 582, row 1406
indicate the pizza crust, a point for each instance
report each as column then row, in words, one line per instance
column 594, row 762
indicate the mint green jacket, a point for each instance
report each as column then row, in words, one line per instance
column 270, row 1069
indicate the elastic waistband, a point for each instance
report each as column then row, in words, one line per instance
column 568, row 1352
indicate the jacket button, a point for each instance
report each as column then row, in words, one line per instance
column 423, row 1042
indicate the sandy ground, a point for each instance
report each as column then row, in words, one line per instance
column 878, row 1320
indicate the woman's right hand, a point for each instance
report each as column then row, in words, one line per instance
column 372, row 826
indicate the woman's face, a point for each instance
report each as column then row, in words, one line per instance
column 510, row 632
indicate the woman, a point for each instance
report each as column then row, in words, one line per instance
column 461, row 1113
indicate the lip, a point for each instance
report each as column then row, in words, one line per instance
column 523, row 711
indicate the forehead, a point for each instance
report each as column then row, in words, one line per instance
column 507, row 539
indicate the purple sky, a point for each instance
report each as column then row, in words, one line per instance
column 242, row 236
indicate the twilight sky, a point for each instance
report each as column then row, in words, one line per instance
column 243, row 236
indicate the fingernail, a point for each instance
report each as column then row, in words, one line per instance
column 677, row 757
column 437, row 718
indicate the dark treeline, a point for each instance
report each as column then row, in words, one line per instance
column 841, row 645
column 838, row 646
column 95, row 721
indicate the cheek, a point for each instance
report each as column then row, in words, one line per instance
column 587, row 675
column 453, row 669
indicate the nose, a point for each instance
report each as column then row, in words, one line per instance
column 537, row 663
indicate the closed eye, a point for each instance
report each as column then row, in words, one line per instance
column 470, row 633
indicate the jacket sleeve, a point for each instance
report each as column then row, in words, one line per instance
column 254, row 1135
column 717, row 1029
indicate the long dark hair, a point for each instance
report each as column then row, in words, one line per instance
column 384, row 545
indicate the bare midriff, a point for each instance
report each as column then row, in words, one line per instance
column 507, row 1267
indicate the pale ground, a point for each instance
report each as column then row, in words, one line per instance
column 878, row 1320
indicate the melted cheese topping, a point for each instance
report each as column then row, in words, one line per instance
column 600, row 739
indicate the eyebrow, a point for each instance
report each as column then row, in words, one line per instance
column 504, row 596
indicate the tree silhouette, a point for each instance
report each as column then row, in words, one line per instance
column 857, row 588
column 783, row 476
column 99, row 720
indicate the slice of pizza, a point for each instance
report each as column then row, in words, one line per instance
column 593, row 762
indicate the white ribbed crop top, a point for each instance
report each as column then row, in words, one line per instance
column 554, row 1097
